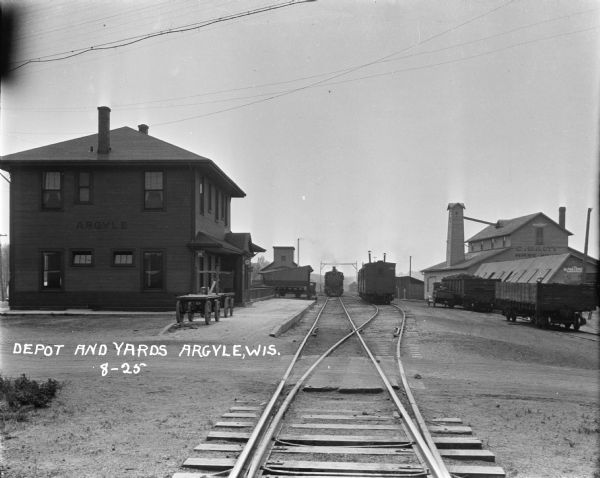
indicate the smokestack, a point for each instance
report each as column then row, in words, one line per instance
column 369, row 257
column 103, row 129
column 143, row 128
column 455, row 244
column 384, row 257
column 562, row 214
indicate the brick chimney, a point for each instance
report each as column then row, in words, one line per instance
column 562, row 215
column 143, row 128
column 455, row 244
column 103, row 129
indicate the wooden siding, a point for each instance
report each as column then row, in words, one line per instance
column 115, row 220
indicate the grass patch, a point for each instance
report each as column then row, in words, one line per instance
column 21, row 394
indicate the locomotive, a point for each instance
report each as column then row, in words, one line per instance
column 377, row 281
column 334, row 283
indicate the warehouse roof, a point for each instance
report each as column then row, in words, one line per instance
column 127, row 147
column 471, row 259
column 524, row 270
column 506, row 227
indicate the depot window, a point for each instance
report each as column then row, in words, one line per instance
column 201, row 194
column 83, row 186
column 153, row 190
column 82, row 258
column 153, row 270
column 52, row 195
column 122, row 258
column 52, row 270
column 217, row 199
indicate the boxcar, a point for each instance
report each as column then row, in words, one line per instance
column 334, row 283
column 546, row 304
column 377, row 282
column 291, row 281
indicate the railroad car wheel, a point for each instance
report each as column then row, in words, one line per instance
column 217, row 310
column 207, row 311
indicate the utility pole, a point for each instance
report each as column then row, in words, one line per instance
column 2, row 294
column 585, row 248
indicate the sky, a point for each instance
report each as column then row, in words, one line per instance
column 350, row 125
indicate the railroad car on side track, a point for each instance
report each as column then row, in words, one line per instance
column 377, row 281
column 546, row 304
column 334, row 283
column 295, row 281
column 470, row 292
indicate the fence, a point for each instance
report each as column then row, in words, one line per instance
column 260, row 293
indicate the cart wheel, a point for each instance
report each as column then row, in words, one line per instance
column 567, row 325
column 231, row 306
column 217, row 310
column 576, row 322
column 207, row 311
column 190, row 312
column 508, row 316
column 178, row 314
column 226, row 308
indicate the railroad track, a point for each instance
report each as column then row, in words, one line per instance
column 578, row 334
column 336, row 413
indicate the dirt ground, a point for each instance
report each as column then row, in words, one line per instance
column 130, row 425
column 530, row 395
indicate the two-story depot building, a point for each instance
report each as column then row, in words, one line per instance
column 121, row 220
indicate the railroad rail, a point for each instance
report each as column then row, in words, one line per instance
column 328, row 434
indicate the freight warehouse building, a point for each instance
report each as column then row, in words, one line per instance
column 121, row 220
column 524, row 249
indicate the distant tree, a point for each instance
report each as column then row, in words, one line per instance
column 257, row 266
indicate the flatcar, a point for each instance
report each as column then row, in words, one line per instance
column 334, row 283
column 377, row 281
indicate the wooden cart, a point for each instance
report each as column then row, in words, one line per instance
column 206, row 305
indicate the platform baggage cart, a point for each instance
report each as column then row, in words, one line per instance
column 207, row 303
